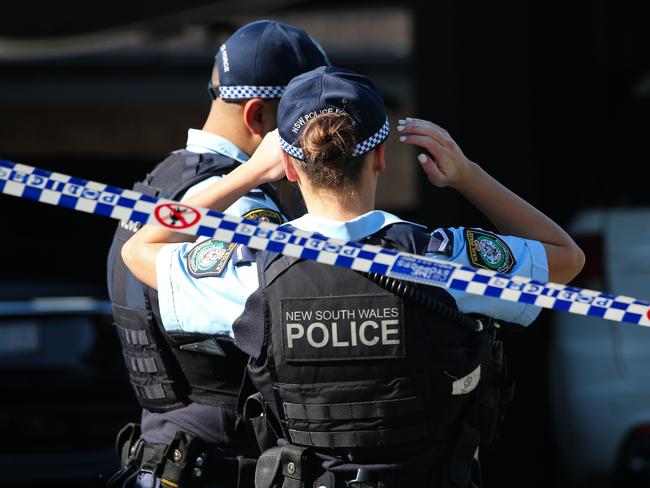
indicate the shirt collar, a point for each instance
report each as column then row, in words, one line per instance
column 351, row 230
column 200, row 141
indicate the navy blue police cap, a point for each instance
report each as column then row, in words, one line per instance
column 329, row 89
column 260, row 58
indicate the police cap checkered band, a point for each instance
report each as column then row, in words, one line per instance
column 373, row 141
column 260, row 58
column 361, row 148
column 294, row 151
column 329, row 89
column 246, row 92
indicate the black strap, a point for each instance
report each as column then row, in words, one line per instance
column 150, row 392
column 361, row 438
column 141, row 365
column 192, row 166
column 461, row 467
column 354, row 410
column 134, row 337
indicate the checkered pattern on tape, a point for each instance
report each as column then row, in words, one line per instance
column 301, row 244
column 372, row 141
column 476, row 281
column 66, row 191
column 246, row 91
column 551, row 295
column 55, row 188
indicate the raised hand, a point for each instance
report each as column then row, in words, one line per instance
column 449, row 166
column 267, row 160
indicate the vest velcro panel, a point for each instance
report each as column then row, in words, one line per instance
column 146, row 362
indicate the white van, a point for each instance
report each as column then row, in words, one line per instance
column 599, row 371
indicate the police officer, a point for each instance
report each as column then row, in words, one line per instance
column 363, row 380
column 186, row 373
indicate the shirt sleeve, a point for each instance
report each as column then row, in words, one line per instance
column 506, row 254
column 207, row 304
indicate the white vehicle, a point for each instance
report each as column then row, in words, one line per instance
column 599, row 371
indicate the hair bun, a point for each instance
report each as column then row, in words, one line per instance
column 329, row 138
column 327, row 142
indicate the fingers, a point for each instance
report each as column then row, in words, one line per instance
column 443, row 162
column 425, row 142
column 432, row 170
column 425, row 128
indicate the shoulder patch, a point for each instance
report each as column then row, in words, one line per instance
column 441, row 241
column 209, row 258
column 486, row 250
column 264, row 215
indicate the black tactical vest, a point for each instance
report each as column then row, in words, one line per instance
column 350, row 368
column 168, row 371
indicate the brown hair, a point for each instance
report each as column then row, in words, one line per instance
column 327, row 143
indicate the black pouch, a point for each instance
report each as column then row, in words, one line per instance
column 127, row 444
column 284, row 467
column 258, row 421
column 128, row 447
column 180, row 458
column 246, row 472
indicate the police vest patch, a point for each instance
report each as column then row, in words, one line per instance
column 485, row 250
column 343, row 328
column 264, row 215
column 209, row 258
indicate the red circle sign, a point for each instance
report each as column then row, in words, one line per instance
column 176, row 216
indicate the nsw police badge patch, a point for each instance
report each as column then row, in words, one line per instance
column 264, row 215
column 209, row 258
column 485, row 250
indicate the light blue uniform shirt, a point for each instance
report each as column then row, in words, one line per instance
column 530, row 262
column 209, row 304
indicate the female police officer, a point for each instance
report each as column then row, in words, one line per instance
column 358, row 371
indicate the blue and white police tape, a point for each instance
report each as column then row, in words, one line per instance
column 130, row 206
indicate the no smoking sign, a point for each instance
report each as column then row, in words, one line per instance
column 176, row 216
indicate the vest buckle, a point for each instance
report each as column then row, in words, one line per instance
column 362, row 480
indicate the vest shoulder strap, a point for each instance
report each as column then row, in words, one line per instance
column 405, row 237
column 182, row 169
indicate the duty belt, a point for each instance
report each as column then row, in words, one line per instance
column 291, row 466
column 186, row 462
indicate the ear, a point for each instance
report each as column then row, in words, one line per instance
column 379, row 161
column 254, row 117
column 289, row 167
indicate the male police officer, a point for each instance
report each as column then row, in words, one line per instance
column 186, row 375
